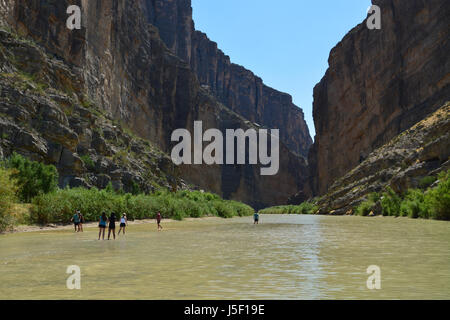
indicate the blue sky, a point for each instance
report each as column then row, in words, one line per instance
column 286, row 42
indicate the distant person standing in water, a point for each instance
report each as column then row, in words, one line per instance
column 102, row 225
column 123, row 223
column 76, row 221
column 112, row 225
column 158, row 220
column 81, row 217
column 256, row 218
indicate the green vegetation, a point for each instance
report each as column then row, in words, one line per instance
column 135, row 188
column 427, row 182
column 121, row 157
column 304, row 208
column 88, row 161
column 414, row 203
column 8, row 189
column 438, row 199
column 25, row 81
column 59, row 206
column 33, row 178
column 390, row 203
column 367, row 206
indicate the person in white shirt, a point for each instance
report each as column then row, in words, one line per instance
column 123, row 223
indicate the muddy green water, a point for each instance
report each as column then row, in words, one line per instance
column 285, row 257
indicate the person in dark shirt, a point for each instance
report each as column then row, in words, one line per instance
column 256, row 218
column 76, row 221
column 158, row 220
column 81, row 217
column 112, row 225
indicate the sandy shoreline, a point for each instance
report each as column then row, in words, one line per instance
column 90, row 225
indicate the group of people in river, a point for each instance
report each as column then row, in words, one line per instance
column 78, row 220
column 111, row 222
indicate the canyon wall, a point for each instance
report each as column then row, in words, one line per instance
column 233, row 85
column 379, row 83
column 147, row 86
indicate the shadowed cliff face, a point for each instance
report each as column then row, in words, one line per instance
column 233, row 85
column 123, row 66
column 379, row 83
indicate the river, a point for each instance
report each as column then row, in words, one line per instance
column 284, row 257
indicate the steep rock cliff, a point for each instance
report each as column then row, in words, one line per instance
column 233, row 85
column 121, row 64
column 43, row 118
column 379, row 83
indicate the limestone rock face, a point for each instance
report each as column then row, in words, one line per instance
column 124, row 73
column 379, row 83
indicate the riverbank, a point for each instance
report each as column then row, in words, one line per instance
column 89, row 225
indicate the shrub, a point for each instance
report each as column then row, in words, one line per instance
column 365, row 208
column 88, row 161
column 426, row 182
column 374, row 197
column 438, row 199
column 390, row 203
column 33, row 178
column 413, row 205
column 135, row 188
column 307, row 207
column 8, row 189
column 433, row 203
column 59, row 206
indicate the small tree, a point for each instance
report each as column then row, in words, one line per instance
column 438, row 199
column 32, row 177
column 8, row 189
column 390, row 203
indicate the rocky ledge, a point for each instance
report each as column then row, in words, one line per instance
column 421, row 151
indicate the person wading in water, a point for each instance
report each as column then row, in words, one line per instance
column 256, row 218
column 102, row 225
column 76, row 221
column 80, row 226
column 158, row 220
column 123, row 223
column 112, row 225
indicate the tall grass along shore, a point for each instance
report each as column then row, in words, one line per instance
column 29, row 195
